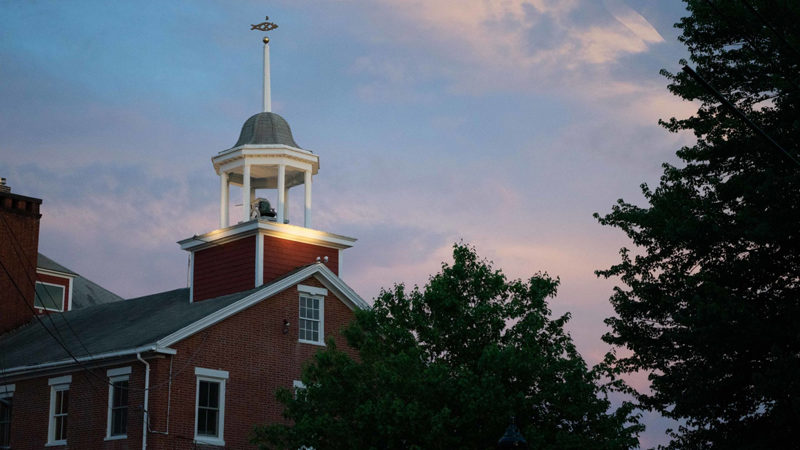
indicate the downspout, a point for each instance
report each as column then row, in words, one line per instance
column 145, row 418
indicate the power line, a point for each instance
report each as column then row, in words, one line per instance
column 41, row 322
column 737, row 112
column 19, row 253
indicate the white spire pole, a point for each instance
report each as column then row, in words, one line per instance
column 267, row 93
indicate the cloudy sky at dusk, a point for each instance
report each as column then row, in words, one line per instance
column 504, row 124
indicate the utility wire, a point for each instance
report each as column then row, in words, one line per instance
column 41, row 322
column 18, row 250
column 92, row 358
column 703, row 83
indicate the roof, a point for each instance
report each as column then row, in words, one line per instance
column 43, row 262
column 266, row 128
column 85, row 292
column 149, row 323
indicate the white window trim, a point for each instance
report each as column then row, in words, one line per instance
column 7, row 391
column 321, row 341
column 63, row 297
column 214, row 376
column 322, row 292
column 114, row 375
column 56, row 385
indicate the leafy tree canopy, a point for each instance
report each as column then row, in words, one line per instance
column 444, row 367
column 711, row 295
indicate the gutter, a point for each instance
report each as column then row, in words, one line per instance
column 146, row 417
column 19, row 370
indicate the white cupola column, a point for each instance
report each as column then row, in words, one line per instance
column 281, row 193
column 224, row 196
column 286, row 203
column 307, row 209
column 246, row 192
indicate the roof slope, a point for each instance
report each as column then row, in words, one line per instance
column 106, row 328
column 153, row 321
column 85, row 292
column 43, row 262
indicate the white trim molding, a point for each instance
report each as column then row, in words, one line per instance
column 211, row 373
column 58, row 384
column 115, row 376
column 317, row 270
column 312, row 290
column 211, row 376
column 118, row 371
column 320, row 321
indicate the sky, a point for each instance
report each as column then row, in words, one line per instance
column 504, row 124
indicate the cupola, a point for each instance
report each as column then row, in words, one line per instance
column 260, row 245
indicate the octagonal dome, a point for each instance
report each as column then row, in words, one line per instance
column 266, row 128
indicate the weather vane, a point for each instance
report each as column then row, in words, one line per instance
column 264, row 26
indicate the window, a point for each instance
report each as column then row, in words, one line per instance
column 118, row 403
column 210, row 406
column 6, row 403
column 59, row 406
column 49, row 296
column 312, row 314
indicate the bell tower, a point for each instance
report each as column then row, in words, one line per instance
column 260, row 244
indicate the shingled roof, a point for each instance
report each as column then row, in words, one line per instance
column 146, row 323
column 85, row 292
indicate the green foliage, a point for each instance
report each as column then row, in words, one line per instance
column 445, row 367
column 711, row 302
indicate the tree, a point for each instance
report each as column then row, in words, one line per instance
column 444, row 367
column 711, row 298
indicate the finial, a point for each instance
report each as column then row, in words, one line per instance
column 266, row 26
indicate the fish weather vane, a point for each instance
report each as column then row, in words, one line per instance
column 266, row 26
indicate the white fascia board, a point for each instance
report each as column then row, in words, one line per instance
column 268, row 228
column 306, row 235
column 211, row 373
column 340, row 288
column 55, row 273
column 88, row 359
column 239, row 230
column 270, row 152
column 317, row 270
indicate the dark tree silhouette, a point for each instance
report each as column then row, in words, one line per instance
column 711, row 297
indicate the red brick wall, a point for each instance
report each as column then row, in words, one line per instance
column 87, row 413
column 225, row 269
column 251, row 346
column 282, row 255
column 19, row 243
column 54, row 280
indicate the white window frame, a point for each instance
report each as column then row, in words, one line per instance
column 57, row 384
column 63, row 297
column 211, row 376
column 313, row 293
column 7, row 391
column 116, row 375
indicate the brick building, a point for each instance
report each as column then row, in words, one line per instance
column 194, row 367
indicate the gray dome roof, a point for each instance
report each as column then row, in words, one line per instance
column 266, row 128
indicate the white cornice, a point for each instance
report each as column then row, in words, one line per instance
column 55, row 273
column 263, row 152
column 20, row 370
column 317, row 270
column 267, row 228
